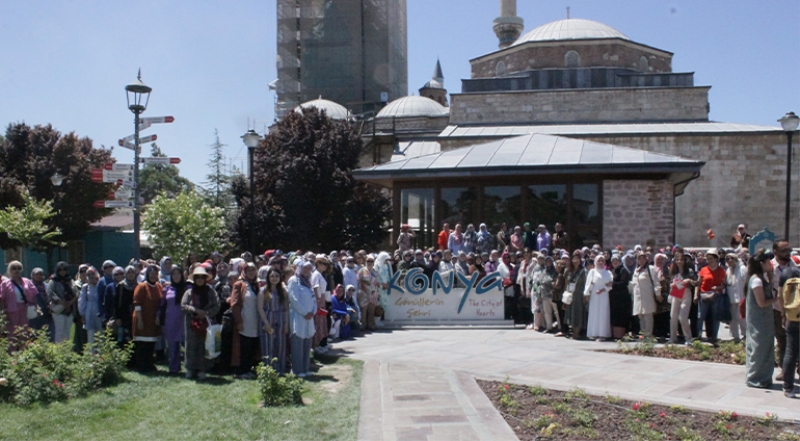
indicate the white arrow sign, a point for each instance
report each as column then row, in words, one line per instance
column 157, row 120
column 118, row 167
column 144, row 126
column 114, row 176
column 127, row 183
column 129, row 144
column 119, row 204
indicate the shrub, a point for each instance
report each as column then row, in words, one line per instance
column 41, row 372
column 277, row 390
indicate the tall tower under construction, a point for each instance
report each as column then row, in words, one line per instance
column 353, row 52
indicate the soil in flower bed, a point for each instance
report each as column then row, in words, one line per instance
column 726, row 352
column 543, row 414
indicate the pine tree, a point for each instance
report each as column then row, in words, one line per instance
column 217, row 187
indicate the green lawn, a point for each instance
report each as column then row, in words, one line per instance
column 158, row 407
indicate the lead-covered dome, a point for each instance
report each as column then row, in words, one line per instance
column 333, row 110
column 570, row 29
column 411, row 106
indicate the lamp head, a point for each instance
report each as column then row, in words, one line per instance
column 789, row 122
column 57, row 179
column 138, row 94
column 251, row 139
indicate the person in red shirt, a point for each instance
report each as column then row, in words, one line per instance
column 712, row 283
column 444, row 235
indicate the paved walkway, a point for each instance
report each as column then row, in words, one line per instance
column 419, row 384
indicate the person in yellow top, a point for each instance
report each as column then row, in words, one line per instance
column 791, row 314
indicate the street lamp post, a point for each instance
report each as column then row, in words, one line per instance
column 251, row 140
column 138, row 97
column 789, row 123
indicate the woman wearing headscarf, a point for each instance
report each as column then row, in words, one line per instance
column 88, row 305
column 384, row 269
column 619, row 299
column 368, row 294
column 171, row 315
column 760, row 344
column 244, row 306
column 599, row 282
column 544, row 294
column 199, row 304
column 319, row 344
column 645, row 282
column 470, row 239
column 61, row 293
column 166, row 270
column 576, row 284
column 273, row 308
column 339, row 312
column 79, row 338
column 737, row 282
column 485, row 244
column 682, row 279
column 146, row 328
column 17, row 298
column 44, row 317
column 303, row 306
column 122, row 318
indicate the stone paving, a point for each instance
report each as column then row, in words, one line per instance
column 419, row 384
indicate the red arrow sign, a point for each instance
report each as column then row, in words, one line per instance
column 99, row 204
column 97, row 175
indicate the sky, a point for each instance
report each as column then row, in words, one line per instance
column 209, row 63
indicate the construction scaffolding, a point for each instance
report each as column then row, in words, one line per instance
column 353, row 52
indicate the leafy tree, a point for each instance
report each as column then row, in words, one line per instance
column 305, row 194
column 158, row 178
column 218, row 184
column 26, row 226
column 30, row 156
column 183, row 224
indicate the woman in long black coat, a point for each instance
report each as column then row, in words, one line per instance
column 620, row 299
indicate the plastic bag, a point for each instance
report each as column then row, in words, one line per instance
column 213, row 340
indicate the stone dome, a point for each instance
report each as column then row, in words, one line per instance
column 570, row 29
column 411, row 106
column 333, row 110
column 433, row 84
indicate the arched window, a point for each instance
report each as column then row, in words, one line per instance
column 572, row 59
column 643, row 64
column 500, row 68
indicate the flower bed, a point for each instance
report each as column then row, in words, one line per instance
column 726, row 352
column 542, row 414
column 42, row 372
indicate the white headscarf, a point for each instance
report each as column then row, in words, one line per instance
column 383, row 256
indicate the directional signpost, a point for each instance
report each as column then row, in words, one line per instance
column 124, row 142
column 161, row 161
column 113, row 204
column 118, row 167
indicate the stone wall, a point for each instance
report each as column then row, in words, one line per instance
column 637, row 212
column 581, row 106
column 743, row 181
column 592, row 53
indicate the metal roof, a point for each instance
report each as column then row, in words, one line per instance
column 530, row 154
column 709, row 128
column 413, row 149
column 571, row 29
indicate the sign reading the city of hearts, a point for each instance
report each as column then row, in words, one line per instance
column 440, row 298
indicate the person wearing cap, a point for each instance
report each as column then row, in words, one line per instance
column 741, row 238
column 711, row 284
column 106, row 278
column 146, row 328
column 760, row 343
column 200, row 302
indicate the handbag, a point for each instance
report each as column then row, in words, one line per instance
column 507, row 282
column 213, row 340
column 722, row 308
column 31, row 312
column 378, row 311
column 743, row 307
column 566, row 298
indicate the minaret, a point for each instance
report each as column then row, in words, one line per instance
column 508, row 26
column 434, row 89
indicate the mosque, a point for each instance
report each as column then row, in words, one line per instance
column 574, row 122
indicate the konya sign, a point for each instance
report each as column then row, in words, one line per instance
column 417, row 297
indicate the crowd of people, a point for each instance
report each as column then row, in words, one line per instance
column 281, row 308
